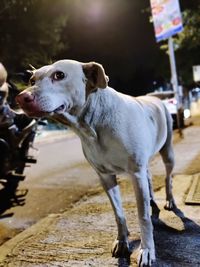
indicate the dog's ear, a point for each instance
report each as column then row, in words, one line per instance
column 95, row 75
column 32, row 67
column 31, row 71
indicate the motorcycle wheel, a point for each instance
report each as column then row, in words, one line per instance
column 4, row 157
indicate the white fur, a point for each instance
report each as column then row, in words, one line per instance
column 118, row 133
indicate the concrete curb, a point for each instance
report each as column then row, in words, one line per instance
column 50, row 241
column 8, row 247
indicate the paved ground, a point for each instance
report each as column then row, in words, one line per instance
column 55, row 176
column 83, row 235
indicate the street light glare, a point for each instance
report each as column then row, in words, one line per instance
column 95, row 10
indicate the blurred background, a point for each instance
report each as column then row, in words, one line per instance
column 119, row 34
column 116, row 33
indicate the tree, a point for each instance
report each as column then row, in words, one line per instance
column 188, row 41
column 31, row 32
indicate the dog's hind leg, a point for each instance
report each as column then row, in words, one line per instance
column 121, row 245
column 167, row 155
column 154, row 206
column 168, row 160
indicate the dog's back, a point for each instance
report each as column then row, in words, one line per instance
column 133, row 120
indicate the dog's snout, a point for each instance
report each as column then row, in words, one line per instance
column 28, row 98
column 25, row 98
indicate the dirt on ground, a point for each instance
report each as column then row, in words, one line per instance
column 67, row 246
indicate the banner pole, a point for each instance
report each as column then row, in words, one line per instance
column 174, row 81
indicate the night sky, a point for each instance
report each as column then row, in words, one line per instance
column 118, row 35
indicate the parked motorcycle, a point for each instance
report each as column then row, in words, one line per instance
column 17, row 133
column 14, row 151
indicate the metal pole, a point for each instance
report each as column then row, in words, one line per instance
column 174, row 81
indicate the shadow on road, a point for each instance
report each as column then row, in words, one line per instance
column 174, row 247
column 126, row 262
column 10, row 196
column 180, row 247
column 190, row 226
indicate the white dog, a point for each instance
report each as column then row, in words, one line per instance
column 119, row 133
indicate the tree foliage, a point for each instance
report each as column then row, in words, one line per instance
column 31, row 31
column 188, row 41
column 190, row 37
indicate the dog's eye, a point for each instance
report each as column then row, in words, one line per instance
column 58, row 75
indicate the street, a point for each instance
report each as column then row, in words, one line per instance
column 51, row 185
column 62, row 176
column 82, row 67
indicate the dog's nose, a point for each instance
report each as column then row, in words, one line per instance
column 24, row 98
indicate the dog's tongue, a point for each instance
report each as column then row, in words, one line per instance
column 29, row 106
column 32, row 110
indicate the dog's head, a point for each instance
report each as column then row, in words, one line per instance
column 3, row 85
column 61, row 87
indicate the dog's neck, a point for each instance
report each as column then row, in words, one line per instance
column 86, row 113
column 81, row 122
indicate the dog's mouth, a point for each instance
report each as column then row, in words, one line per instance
column 61, row 109
column 43, row 113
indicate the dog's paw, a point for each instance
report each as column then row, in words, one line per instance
column 146, row 257
column 120, row 249
column 170, row 205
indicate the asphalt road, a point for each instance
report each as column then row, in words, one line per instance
column 52, row 185
column 62, row 176
column 83, row 235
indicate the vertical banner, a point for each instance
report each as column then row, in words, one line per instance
column 167, row 18
column 196, row 73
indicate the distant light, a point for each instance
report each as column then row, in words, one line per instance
column 95, row 10
column 186, row 113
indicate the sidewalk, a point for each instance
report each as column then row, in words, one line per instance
column 52, row 135
column 83, row 235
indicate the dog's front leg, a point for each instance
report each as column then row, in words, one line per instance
column 141, row 187
column 121, row 245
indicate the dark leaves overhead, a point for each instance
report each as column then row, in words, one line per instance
column 30, row 31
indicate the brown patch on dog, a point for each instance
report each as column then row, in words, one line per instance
column 96, row 77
